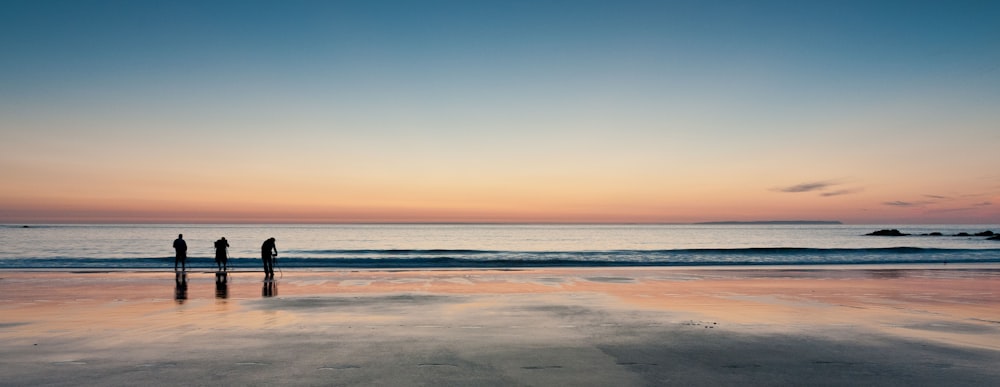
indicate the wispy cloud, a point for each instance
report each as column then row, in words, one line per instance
column 938, row 200
column 840, row 192
column 824, row 188
column 946, row 210
column 971, row 207
column 808, row 187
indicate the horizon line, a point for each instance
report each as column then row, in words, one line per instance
column 708, row 223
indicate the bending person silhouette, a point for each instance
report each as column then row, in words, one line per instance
column 221, row 255
column 268, row 253
column 181, row 248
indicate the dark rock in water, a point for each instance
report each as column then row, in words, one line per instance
column 984, row 233
column 935, row 234
column 994, row 238
column 963, row 234
column 25, row 226
column 893, row 232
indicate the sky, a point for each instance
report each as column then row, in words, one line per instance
column 866, row 112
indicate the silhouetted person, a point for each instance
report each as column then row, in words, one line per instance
column 222, row 285
column 182, row 250
column 270, row 289
column 221, row 255
column 180, row 287
column 267, row 254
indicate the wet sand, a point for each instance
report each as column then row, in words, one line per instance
column 850, row 325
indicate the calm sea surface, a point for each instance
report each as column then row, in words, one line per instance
column 434, row 246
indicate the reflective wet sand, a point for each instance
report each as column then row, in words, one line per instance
column 906, row 325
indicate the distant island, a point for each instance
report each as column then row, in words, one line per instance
column 777, row 222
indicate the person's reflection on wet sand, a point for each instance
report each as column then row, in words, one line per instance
column 270, row 289
column 180, row 287
column 222, row 285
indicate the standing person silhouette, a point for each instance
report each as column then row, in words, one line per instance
column 268, row 252
column 181, row 248
column 221, row 256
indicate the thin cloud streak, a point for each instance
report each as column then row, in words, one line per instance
column 822, row 187
column 840, row 192
column 947, row 210
column 807, row 187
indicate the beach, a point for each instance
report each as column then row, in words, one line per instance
column 768, row 325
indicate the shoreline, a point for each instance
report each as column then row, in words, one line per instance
column 876, row 325
column 712, row 267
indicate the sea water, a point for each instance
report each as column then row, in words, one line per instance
column 143, row 246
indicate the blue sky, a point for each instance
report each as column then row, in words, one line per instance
column 669, row 101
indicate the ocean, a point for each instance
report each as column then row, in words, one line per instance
column 416, row 246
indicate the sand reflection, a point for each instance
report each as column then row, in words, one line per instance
column 180, row 287
column 222, row 285
column 556, row 323
column 954, row 305
column 269, row 288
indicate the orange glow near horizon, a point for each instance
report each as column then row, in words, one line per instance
column 387, row 204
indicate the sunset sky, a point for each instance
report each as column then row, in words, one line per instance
column 499, row 111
